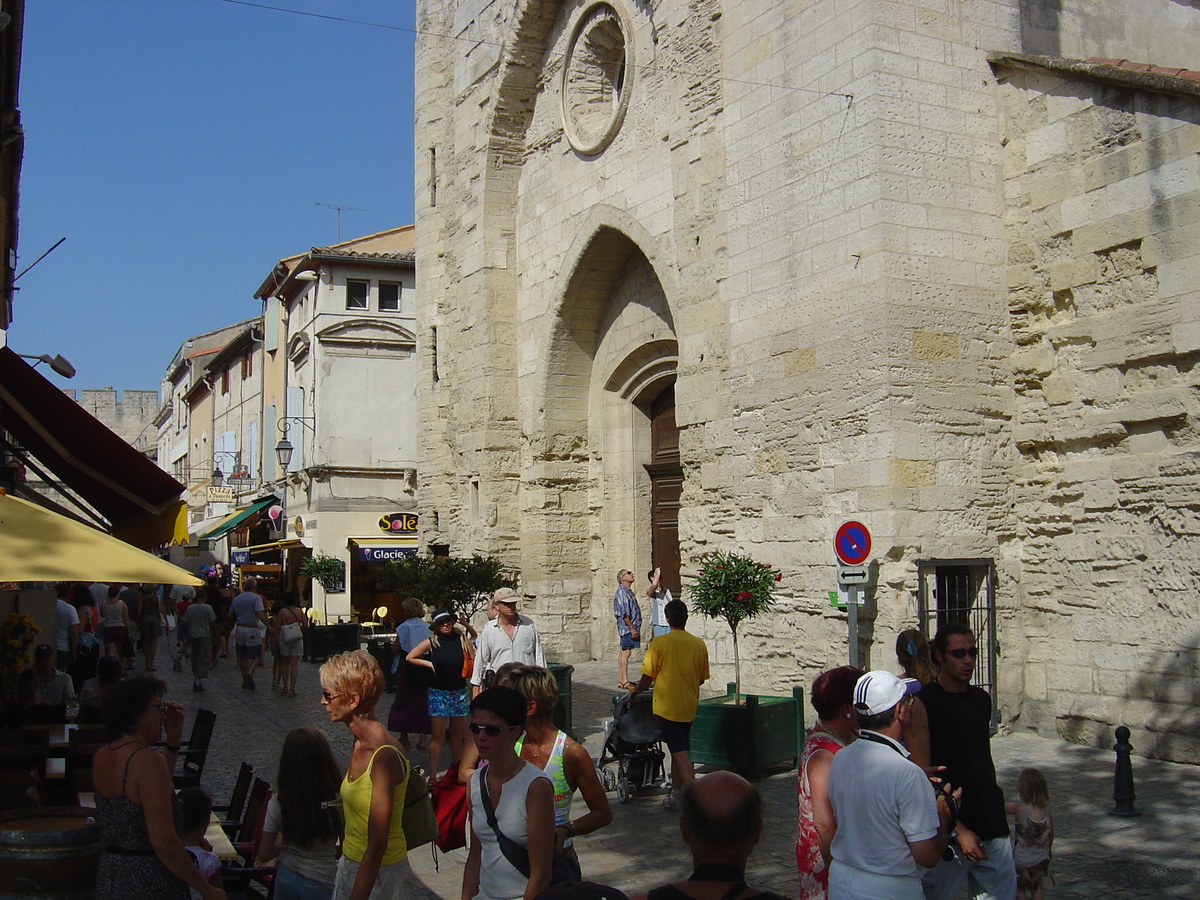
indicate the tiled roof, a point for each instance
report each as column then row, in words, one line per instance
column 1145, row 67
column 1119, row 72
column 333, row 253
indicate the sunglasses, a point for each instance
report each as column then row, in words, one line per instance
column 489, row 730
column 963, row 652
column 329, row 697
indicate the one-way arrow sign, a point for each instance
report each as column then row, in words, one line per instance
column 849, row 576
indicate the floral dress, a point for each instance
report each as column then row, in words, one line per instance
column 814, row 877
column 128, row 868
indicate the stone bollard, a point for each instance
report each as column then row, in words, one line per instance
column 1123, row 792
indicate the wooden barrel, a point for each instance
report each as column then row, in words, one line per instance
column 48, row 852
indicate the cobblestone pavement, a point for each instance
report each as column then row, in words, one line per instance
column 1097, row 855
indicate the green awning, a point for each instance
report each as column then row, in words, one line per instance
column 236, row 518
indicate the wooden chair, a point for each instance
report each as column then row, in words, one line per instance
column 82, row 746
column 20, row 790
column 238, row 879
column 231, row 814
column 24, row 751
column 195, row 749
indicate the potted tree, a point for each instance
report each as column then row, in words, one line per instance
column 323, row 641
column 763, row 731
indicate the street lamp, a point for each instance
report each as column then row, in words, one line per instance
column 59, row 364
column 284, row 449
column 218, row 476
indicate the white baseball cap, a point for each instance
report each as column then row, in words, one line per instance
column 879, row 691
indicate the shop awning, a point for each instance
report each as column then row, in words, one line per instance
column 240, row 556
column 236, row 518
column 39, row 545
column 134, row 496
column 194, row 531
column 372, row 549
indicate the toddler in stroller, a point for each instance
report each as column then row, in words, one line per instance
column 632, row 741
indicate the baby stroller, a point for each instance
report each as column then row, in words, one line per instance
column 632, row 740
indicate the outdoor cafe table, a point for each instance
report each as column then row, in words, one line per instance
column 215, row 834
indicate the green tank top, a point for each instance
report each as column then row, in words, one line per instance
column 556, row 771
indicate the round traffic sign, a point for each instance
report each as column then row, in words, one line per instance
column 852, row 543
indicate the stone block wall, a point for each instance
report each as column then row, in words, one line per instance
column 131, row 417
column 1103, row 193
column 811, row 218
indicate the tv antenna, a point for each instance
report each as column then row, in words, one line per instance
column 339, row 215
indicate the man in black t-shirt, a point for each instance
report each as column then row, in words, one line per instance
column 960, row 739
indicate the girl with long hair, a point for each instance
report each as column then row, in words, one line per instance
column 303, row 821
column 912, row 653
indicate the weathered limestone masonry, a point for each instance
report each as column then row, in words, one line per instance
column 1103, row 195
column 886, row 276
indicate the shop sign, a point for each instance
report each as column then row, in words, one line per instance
column 239, row 557
column 215, row 494
column 399, row 523
column 299, row 526
column 384, row 554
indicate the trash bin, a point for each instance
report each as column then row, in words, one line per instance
column 381, row 649
column 323, row 641
column 562, row 711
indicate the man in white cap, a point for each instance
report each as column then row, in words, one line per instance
column 891, row 825
column 510, row 637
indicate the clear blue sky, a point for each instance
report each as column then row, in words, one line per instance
column 181, row 147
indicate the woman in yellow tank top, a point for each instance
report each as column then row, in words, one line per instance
column 374, row 860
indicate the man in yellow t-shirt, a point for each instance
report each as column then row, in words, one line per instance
column 676, row 663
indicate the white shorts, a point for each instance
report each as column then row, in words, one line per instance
column 391, row 881
column 247, row 636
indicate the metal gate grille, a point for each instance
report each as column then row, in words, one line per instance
column 963, row 590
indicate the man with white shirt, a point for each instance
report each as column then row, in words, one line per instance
column 891, row 825
column 510, row 637
column 66, row 627
column 659, row 597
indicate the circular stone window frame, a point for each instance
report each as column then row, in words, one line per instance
column 606, row 135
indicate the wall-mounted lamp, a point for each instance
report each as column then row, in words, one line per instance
column 57, row 363
column 306, row 275
column 218, row 477
column 284, row 449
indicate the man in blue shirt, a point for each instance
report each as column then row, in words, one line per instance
column 629, row 624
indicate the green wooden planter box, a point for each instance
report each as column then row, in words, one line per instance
column 761, row 732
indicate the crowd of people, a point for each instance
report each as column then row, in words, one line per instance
column 896, row 790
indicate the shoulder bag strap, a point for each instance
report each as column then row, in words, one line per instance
column 517, row 856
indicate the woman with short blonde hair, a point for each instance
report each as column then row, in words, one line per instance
column 374, row 861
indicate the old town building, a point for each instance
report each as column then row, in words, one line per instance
column 703, row 275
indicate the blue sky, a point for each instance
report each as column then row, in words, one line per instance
column 181, row 147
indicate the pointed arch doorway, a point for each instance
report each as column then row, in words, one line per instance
column 666, row 488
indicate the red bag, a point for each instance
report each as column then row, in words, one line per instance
column 450, row 805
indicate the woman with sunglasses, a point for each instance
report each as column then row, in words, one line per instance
column 514, row 794
column 374, row 861
column 142, row 855
column 912, row 653
column 449, row 655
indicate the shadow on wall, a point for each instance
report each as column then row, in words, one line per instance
column 1039, row 27
column 1172, row 688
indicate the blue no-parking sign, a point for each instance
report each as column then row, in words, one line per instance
column 852, row 543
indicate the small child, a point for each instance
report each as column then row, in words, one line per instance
column 197, row 809
column 1033, row 837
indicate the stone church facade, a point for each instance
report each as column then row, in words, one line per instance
column 696, row 275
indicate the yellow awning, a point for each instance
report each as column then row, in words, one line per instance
column 166, row 529
column 39, row 545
